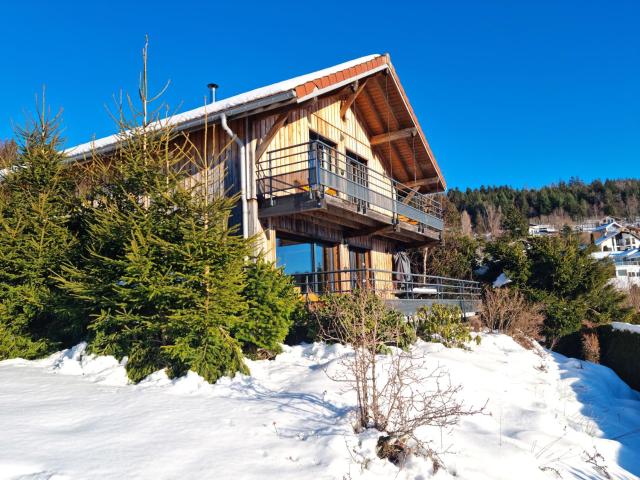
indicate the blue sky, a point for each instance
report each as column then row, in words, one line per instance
column 508, row 92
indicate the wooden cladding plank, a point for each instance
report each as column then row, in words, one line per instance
column 393, row 136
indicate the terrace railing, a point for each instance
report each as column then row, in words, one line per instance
column 388, row 283
column 316, row 168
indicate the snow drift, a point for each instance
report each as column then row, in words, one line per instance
column 75, row 416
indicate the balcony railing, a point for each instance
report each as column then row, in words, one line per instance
column 389, row 284
column 316, row 168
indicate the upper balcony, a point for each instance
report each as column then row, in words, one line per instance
column 315, row 177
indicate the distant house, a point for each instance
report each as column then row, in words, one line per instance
column 538, row 230
column 336, row 180
column 615, row 240
column 609, row 219
column 627, row 265
column 622, row 246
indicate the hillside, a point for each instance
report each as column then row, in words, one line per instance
column 74, row 416
column 574, row 199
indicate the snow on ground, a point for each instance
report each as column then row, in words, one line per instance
column 74, row 416
column 626, row 327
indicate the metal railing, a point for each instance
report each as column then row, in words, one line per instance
column 389, row 283
column 319, row 169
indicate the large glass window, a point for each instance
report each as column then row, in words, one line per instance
column 308, row 262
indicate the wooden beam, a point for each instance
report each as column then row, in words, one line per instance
column 392, row 136
column 423, row 182
column 393, row 150
column 346, row 104
column 409, row 196
column 266, row 140
column 383, row 94
column 367, row 232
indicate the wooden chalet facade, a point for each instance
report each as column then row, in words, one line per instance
column 337, row 178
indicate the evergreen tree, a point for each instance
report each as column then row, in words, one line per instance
column 514, row 222
column 556, row 271
column 37, row 235
column 273, row 300
column 574, row 199
column 164, row 276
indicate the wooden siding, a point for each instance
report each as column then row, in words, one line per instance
column 323, row 117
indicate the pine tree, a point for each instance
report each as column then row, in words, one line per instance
column 272, row 300
column 164, row 273
column 37, row 235
column 514, row 222
column 557, row 272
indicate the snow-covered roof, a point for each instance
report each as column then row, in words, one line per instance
column 606, row 237
column 630, row 254
column 274, row 92
column 608, row 226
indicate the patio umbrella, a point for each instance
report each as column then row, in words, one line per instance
column 402, row 269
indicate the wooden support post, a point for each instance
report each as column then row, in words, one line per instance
column 409, row 196
column 264, row 142
column 423, row 182
column 346, row 104
column 392, row 136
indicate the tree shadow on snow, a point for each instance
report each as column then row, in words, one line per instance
column 316, row 415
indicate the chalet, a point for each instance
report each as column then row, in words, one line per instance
column 617, row 240
column 627, row 265
column 337, row 180
column 539, row 230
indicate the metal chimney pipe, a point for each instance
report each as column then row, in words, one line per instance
column 212, row 91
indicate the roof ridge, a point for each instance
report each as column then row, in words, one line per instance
column 223, row 105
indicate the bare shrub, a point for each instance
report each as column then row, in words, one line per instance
column 475, row 323
column 395, row 393
column 597, row 461
column 590, row 346
column 508, row 311
column 492, row 220
column 633, row 301
column 465, row 224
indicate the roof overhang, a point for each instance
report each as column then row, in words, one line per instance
column 383, row 106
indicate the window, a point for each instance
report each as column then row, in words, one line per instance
column 358, row 175
column 326, row 152
column 311, row 263
column 359, row 264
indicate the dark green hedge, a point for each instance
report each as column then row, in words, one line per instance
column 620, row 351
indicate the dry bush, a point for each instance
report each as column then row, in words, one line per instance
column 395, row 392
column 508, row 311
column 590, row 346
column 633, row 301
column 492, row 220
column 8, row 153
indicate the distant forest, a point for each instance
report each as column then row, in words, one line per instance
column 556, row 203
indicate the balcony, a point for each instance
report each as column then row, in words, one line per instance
column 404, row 291
column 314, row 176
